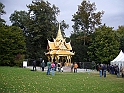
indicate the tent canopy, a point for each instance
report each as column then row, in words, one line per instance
column 119, row 60
column 120, row 57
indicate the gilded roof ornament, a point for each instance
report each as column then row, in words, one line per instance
column 59, row 34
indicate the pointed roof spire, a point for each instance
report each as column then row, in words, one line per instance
column 59, row 26
column 59, row 34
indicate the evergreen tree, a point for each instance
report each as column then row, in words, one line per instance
column 12, row 43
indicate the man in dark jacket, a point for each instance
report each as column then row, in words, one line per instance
column 34, row 65
column 104, row 70
column 43, row 65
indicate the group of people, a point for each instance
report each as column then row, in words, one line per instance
column 52, row 66
column 115, row 69
column 112, row 69
column 102, row 70
column 42, row 65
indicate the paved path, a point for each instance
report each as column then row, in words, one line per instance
column 65, row 69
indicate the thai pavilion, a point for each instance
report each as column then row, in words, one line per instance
column 59, row 50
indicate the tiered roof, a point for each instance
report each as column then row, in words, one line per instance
column 59, row 45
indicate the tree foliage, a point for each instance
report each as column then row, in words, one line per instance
column 104, row 45
column 1, row 13
column 120, row 33
column 2, row 9
column 12, row 43
column 20, row 19
column 79, row 48
column 85, row 19
column 38, row 24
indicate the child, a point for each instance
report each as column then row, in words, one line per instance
column 62, row 69
column 59, row 68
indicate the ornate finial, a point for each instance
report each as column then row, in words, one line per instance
column 59, row 26
column 59, row 34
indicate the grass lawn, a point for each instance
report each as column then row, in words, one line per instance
column 23, row 80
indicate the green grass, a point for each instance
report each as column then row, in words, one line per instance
column 22, row 80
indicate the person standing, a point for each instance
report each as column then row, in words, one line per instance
column 48, row 68
column 100, row 70
column 104, row 70
column 75, row 67
column 112, row 69
column 59, row 69
column 34, row 65
column 117, row 71
column 122, row 71
column 55, row 65
column 43, row 65
column 40, row 62
column 53, row 68
column 72, row 67
column 62, row 69
column 40, row 59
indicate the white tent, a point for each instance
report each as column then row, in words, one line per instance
column 119, row 60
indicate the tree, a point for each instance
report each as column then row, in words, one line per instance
column 38, row 24
column 78, row 47
column 104, row 45
column 12, row 43
column 120, row 34
column 42, row 26
column 86, row 19
column 1, row 9
column 19, row 19
column 1, row 13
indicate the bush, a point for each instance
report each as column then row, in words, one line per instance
column 19, row 60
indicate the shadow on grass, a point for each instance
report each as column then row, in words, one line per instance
column 33, row 70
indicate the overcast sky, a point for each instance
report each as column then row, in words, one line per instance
column 113, row 16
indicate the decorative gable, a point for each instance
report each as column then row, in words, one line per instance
column 62, row 46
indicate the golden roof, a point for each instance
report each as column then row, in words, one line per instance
column 60, row 52
column 59, row 45
column 51, row 45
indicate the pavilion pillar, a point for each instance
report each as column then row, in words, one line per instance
column 48, row 58
column 68, row 59
column 52, row 57
column 58, row 58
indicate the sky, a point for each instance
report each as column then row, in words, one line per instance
column 113, row 16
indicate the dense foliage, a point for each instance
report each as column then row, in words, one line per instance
column 104, row 45
column 38, row 24
column 12, row 43
column 120, row 35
